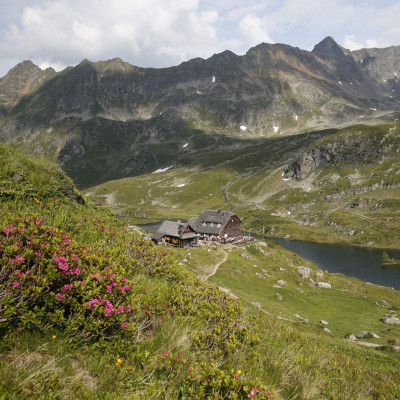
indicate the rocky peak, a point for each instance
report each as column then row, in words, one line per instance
column 23, row 77
column 328, row 47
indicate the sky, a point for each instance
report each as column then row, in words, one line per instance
column 163, row 33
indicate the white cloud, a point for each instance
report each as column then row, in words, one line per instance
column 254, row 29
column 145, row 33
column 160, row 33
column 351, row 43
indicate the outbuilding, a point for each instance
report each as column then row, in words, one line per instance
column 175, row 233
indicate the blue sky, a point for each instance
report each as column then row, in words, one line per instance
column 161, row 33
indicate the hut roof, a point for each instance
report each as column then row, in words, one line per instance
column 211, row 222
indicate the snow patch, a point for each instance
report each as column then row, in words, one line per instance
column 395, row 73
column 185, row 145
column 162, row 170
column 243, row 128
column 372, row 108
column 340, row 83
column 198, row 92
column 296, row 117
column 213, row 79
column 276, row 128
column 181, row 185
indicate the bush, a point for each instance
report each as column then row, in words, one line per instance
column 48, row 279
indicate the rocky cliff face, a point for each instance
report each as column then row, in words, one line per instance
column 350, row 148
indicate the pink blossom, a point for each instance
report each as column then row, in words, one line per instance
column 97, row 277
column 9, row 229
column 66, row 288
column 93, row 302
column 18, row 274
column 109, row 309
column 124, row 325
column 81, row 282
column 120, row 310
column 108, row 288
column 124, row 288
column 60, row 297
column 37, row 254
column 15, row 285
column 17, row 259
column 75, row 257
column 75, row 271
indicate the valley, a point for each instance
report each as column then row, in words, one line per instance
column 301, row 145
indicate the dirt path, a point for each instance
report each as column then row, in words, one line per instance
column 367, row 344
column 216, row 266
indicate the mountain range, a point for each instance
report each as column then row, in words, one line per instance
column 108, row 119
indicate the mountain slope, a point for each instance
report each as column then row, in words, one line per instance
column 90, row 310
column 271, row 90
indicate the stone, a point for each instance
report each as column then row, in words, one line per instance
column 281, row 282
column 323, row 322
column 363, row 335
column 391, row 320
column 327, row 330
column 351, row 337
column 277, row 287
column 278, row 297
column 305, row 272
column 396, row 348
column 324, row 285
column 375, row 336
column 319, row 274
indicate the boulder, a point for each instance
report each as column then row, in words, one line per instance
column 281, row 282
column 363, row 335
column 327, row 330
column 324, row 285
column 323, row 322
column 351, row 337
column 391, row 320
column 305, row 272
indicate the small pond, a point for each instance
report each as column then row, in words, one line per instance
column 358, row 262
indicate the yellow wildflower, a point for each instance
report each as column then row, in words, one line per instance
column 239, row 371
column 54, row 336
column 212, row 364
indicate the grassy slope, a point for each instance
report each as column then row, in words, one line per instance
column 289, row 360
column 251, row 272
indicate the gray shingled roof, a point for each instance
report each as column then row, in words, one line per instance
column 217, row 218
column 173, row 228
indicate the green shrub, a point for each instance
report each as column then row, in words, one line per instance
column 47, row 278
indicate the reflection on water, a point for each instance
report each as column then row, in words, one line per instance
column 362, row 263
